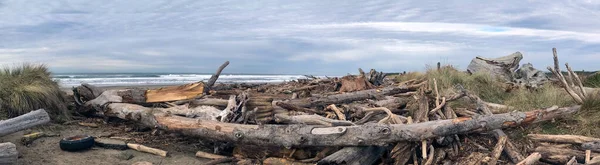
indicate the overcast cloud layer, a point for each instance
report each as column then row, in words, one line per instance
column 298, row 37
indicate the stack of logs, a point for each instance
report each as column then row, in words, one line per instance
column 362, row 119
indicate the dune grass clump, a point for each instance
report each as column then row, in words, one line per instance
column 492, row 89
column 30, row 87
column 592, row 81
column 588, row 116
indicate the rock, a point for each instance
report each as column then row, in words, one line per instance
column 111, row 143
column 529, row 77
column 142, row 163
column 125, row 155
column 502, row 67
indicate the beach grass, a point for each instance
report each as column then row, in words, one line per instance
column 491, row 89
column 29, row 87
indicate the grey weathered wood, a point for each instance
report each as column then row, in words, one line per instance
column 594, row 146
column 354, row 156
column 214, row 77
column 531, row 159
column 8, row 153
column 547, row 152
column 25, row 121
column 300, row 135
column 354, row 96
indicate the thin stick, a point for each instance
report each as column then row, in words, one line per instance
column 573, row 161
column 437, row 93
column 337, row 111
column 431, row 155
column 439, row 106
column 143, row 148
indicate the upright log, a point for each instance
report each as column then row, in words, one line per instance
column 25, row 121
column 214, row 77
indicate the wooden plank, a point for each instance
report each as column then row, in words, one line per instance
column 173, row 93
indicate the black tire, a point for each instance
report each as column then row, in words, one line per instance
column 77, row 143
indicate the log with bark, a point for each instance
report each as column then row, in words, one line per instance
column 308, row 135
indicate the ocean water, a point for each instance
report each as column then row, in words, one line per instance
column 135, row 79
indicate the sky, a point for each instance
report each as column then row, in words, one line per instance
column 293, row 37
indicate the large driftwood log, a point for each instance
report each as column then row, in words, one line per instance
column 572, row 139
column 8, row 153
column 25, row 121
column 354, row 156
column 307, row 135
column 354, row 96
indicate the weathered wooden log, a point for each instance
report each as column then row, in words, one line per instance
column 25, row 121
column 143, row 148
column 306, row 135
column 572, row 139
column 207, row 155
column 293, row 107
column 354, row 156
column 210, row 102
column 310, row 120
column 594, row 146
column 8, row 153
column 549, row 151
column 214, row 77
column 588, row 155
column 531, row 159
column 354, row 96
column 498, row 150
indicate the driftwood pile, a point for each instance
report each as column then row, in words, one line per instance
column 356, row 119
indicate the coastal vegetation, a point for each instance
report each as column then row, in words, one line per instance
column 29, row 87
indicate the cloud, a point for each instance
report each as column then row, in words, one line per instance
column 300, row 37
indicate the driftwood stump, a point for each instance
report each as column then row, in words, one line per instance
column 8, row 153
